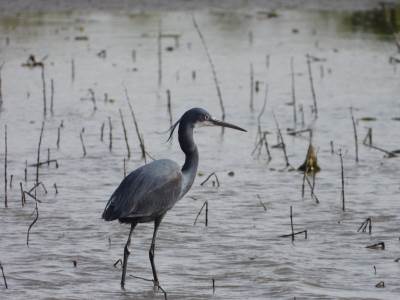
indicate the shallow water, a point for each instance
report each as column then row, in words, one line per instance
column 241, row 248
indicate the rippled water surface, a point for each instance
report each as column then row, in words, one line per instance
column 241, row 248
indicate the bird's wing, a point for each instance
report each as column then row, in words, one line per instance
column 148, row 191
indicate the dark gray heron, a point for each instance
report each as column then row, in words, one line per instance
column 147, row 193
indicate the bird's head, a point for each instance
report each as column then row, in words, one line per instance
column 200, row 117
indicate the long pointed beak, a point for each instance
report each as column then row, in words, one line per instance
column 224, row 124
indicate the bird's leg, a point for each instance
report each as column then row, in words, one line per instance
column 126, row 254
column 151, row 251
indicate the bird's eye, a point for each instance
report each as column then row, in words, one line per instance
column 205, row 118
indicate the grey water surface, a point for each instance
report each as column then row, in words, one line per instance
column 241, row 248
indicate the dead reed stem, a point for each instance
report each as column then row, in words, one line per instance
column 44, row 90
column 355, row 133
column 52, row 97
column 312, row 85
column 93, row 99
column 208, row 177
column 169, row 108
column 38, row 153
column 58, row 137
column 55, row 188
column 5, row 166
column 26, row 171
column 110, row 133
column 82, row 142
column 125, row 134
column 291, row 222
column 363, row 226
column 124, row 167
column 23, row 199
column 293, row 92
column 214, row 73
column 102, row 132
column 342, row 177
column 205, row 204
column 159, row 52
column 262, row 111
column 33, row 223
column 4, row 276
column 1, row 86
column 282, row 141
column 139, row 136
column 251, row 87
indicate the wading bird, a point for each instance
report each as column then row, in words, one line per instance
column 148, row 192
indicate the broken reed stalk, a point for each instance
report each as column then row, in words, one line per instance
column 11, row 181
column 72, row 70
column 102, row 132
column 282, row 141
column 52, row 97
column 291, row 222
column 125, row 134
column 293, row 92
column 355, row 133
column 1, row 82
column 169, row 108
column 26, row 171
column 208, row 177
column 110, row 133
column 301, row 111
column 58, row 137
column 342, row 177
column 368, row 138
column 23, row 199
column 55, row 187
column 214, row 73
column 33, row 223
column 205, row 204
column 36, row 186
column 140, row 138
column 159, row 53
column 251, row 87
column 5, row 166
column 262, row 203
column 124, row 167
column 47, row 162
column 262, row 111
column 48, row 156
column 363, row 226
column 312, row 85
column 82, row 142
column 293, row 234
column 38, row 154
column 4, row 276
column 44, row 90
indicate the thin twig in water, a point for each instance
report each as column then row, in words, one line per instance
column 33, row 223
column 169, row 108
column 38, row 154
column 140, row 138
column 355, row 133
column 110, row 133
column 1, row 91
column 363, row 226
column 125, row 134
column 5, row 166
column 159, row 52
column 83, row 144
column 52, row 97
column 251, row 87
column 44, row 91
column 208, row 177
column 205, row 204
column 214, row 73
column 342, row 177
column 282, row 141
column 312, row 85
column 4, row 276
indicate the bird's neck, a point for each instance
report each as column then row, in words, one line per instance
column 189, row 169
